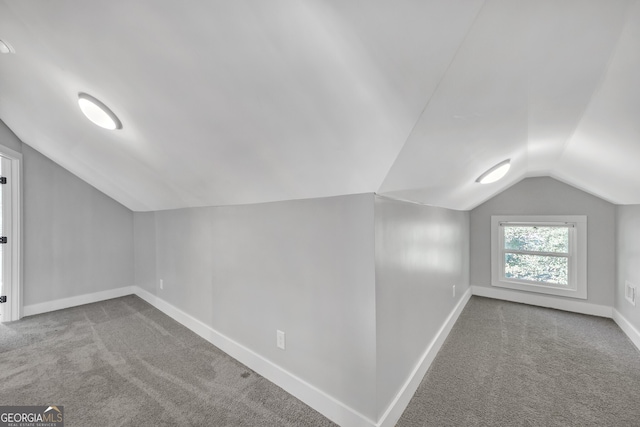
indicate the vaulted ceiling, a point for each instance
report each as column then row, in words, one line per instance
column 245, row 101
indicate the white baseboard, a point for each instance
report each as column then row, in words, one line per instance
column 399, row 404
column 59, row 304
column 627, row 327
column 543, row 301
column 331, row 408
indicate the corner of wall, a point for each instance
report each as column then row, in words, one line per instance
column 304, row 267
column 396, row 408
column 9, row 139
column 627, row 327
column 144, row 253
column 421, row 252
column 77, row 240
column 625, row 313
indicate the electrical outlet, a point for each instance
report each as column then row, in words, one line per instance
column 454, row 291
column 161, row 284
column 630, row 292
column 280, row 339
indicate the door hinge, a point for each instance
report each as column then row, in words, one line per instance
column 3, row 239
column 3, row 179
column 3, row 298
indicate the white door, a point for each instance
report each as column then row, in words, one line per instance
column 5, row 241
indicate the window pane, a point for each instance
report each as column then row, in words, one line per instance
column 539, row 239
column 545, row 269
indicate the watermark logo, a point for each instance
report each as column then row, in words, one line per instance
column 31, row 416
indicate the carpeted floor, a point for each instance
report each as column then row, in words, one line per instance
column 507, row 364
column 124, row 363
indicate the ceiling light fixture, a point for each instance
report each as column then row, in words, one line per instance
column 97, row 112
column 5, row 47
column 495, row 173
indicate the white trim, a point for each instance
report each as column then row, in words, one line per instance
column 627, row 327
column 328, row 406
column 577, row 255
column 15, row 181
column 398, row 199
column 59, row 304
column 544, row 301
column 399, row 404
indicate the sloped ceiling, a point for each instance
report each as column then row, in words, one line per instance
column 229, row 102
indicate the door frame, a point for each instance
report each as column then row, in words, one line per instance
column 13, row 310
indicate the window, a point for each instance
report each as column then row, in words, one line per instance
column 544, row 254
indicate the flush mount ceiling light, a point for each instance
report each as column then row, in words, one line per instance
column 5, row 47
column 97, row 112
column 495, row 173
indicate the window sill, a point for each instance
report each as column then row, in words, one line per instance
column 541, row 289
column 578, row 290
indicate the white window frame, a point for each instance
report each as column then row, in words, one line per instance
column 577, row 256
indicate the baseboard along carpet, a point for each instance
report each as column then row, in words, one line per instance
column 510, row 364
column 124, row 363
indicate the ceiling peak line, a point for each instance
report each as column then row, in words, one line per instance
column 400, row 199
column 435, row 89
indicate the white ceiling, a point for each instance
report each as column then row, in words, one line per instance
column 229, row 102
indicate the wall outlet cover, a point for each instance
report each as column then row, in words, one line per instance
column 630, row 292
column 280, row 339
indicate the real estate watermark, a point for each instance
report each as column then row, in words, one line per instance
column 32, row 416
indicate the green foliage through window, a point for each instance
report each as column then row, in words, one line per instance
column 537, row 239
column 523, row 263
column 538, row 268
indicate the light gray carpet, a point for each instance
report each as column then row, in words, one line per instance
column 507, row 364
column 124, row 363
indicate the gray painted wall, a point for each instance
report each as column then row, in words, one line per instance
column 76, row 240
column 9, row 139
column 144, row 226
column 305, row 267
column 421, row 252
column 628, row 251
column 547, row 196
column 360, row 284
